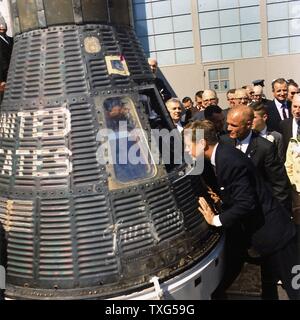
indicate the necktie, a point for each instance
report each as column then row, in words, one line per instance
column 284, row 111
column 298, row 130
column 4, row 38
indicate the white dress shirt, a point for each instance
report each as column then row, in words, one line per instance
column 295, row 128
column 179, row 126
column 263, row 133
column 243, row 144
column 280, row 109
column 216, row 219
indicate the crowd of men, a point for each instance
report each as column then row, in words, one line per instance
column 253, row 147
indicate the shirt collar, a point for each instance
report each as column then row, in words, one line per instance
column 263, row 132
column 213, row 155
column 280, row 104
column 179, row 126
column 3, row 37
column 246, row 140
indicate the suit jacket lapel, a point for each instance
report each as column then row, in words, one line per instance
column 290, row 127
column 219, row 162
column 252, row 146
column 226, row 139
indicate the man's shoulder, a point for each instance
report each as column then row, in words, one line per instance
column 277, row 135
column 228, row 151
column 198, row 115
column 225, row 138
column 262, row 143
column 286, row 122
column 271, row 108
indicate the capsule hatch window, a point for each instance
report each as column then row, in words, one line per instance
column 128, row 154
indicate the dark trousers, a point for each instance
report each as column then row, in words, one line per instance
column 296, row 217
column 235, row 255
column 269, row 277
column 275, row 266
column 279, row 266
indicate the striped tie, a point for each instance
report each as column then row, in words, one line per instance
column 284, row 111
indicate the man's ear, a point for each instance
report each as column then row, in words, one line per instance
column 249, row 123
column 204, row 144
column 265, row 117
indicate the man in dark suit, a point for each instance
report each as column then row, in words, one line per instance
column 251, row 217
column 286, row 130
column 289, row 127
column 262, row 152
column 217, row 116
column 278, row 109
column 259, row 126
column 6, row 46
column 189, row 109
column 160, row 85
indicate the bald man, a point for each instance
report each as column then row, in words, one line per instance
column 262, row 152
column 160, row 85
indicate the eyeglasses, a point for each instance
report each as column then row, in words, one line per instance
column 212, row 99
column 242, row 98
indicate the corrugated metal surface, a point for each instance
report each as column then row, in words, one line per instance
column 70, row 226
column 95, row 239
column 16, row 217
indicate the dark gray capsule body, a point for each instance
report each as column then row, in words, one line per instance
column 77, row 227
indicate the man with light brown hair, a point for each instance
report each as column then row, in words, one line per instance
column 259, row 125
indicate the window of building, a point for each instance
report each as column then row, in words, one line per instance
column 164, row 28
column 229, row 29
column 219, row 79
column 283, row 26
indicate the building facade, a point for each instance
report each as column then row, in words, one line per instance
column 220, row 44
